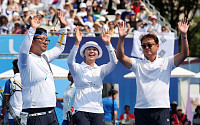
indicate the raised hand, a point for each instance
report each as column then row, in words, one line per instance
column 183, row 26
column 123, row 32
column 79, row 35
column 63, row 22
column 106, row 36
column 35, row 22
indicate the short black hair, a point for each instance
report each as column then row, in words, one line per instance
column 154, row 37
column 114, row 92
column 40, row 30
column 14, row 62
column 126, row 106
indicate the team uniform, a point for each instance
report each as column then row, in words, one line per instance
column 88, row 82
column 38, row 92
column 153, row 81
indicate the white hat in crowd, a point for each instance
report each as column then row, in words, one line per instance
column 91, row 44
column 25, row 9
column 101, row 18
column 103, row 12
column 82, row 5
column 117, row 12
column 154, row 17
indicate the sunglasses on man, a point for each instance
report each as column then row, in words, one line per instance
column 149, row 45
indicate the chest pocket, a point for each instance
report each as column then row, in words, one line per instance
column 90, row 77
column 15, row 86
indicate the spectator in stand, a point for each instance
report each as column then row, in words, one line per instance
column 127, row 114
column 70, row 19
column 23, row 30
column 108, row 107
column 102, row 21
column 135, row 6
column 142, row 15
column 97, row 28
column 5, row 27
column 82, row 11
column 66, row 9
column 16, row 28
column 43, row 20
column 104, row 13
column 36, row 6
column 112, row 29
column 142, row 26
column 111, row 6
column 165, row 29
column 88, row 31
column 179, row 118
column 12, row 6
column 99, row 9
column 132, row 23
column 124, row 15
column 50, row 16
column 89, row 15
column 117, row 18
column 154, row 27
column 196, row 117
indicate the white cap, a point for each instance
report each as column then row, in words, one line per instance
column 15, row 14
column 25, row 9
column 101, row 18
column 153, row 17
column 91, row 44
column 179, row 108
column 143, row 5
column 117, row 12
column 103, row 12
column 82, row 5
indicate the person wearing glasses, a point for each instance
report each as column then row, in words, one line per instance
column 39, row 98
column 152, row 75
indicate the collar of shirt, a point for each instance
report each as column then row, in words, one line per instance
column 86, row 65
column 145, row 59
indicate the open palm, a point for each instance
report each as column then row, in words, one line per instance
column 106, row 36
column 78, row 34
column 123, row 32
column 183, row 26
column 35, row 22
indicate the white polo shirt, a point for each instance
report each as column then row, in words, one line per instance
column 37, row 80
column 88, row 81
column 153, row 81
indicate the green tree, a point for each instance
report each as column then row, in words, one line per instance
column 174, row 10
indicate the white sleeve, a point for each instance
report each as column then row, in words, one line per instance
column 71, row 60
column 25, row 47
column 107, row 68
column 59, row 48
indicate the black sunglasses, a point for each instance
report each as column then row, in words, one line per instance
column 149, row 45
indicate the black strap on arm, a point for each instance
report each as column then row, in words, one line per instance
column 45, row 58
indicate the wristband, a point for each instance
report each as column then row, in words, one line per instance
column 185, row 37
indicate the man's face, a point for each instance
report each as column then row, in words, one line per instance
column 127, row 110
column 149, row 47
column 41, row 42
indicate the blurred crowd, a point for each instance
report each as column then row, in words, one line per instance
column 91, row 15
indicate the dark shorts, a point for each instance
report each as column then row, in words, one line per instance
column 47, row 119
column 87, row 118
column 152, row 116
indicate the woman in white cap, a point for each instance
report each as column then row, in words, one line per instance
column 88, row 78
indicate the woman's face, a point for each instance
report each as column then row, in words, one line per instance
column 91, row 53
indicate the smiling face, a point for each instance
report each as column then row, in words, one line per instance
column 91, row 53
column 39, row 44
column 149, row 47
